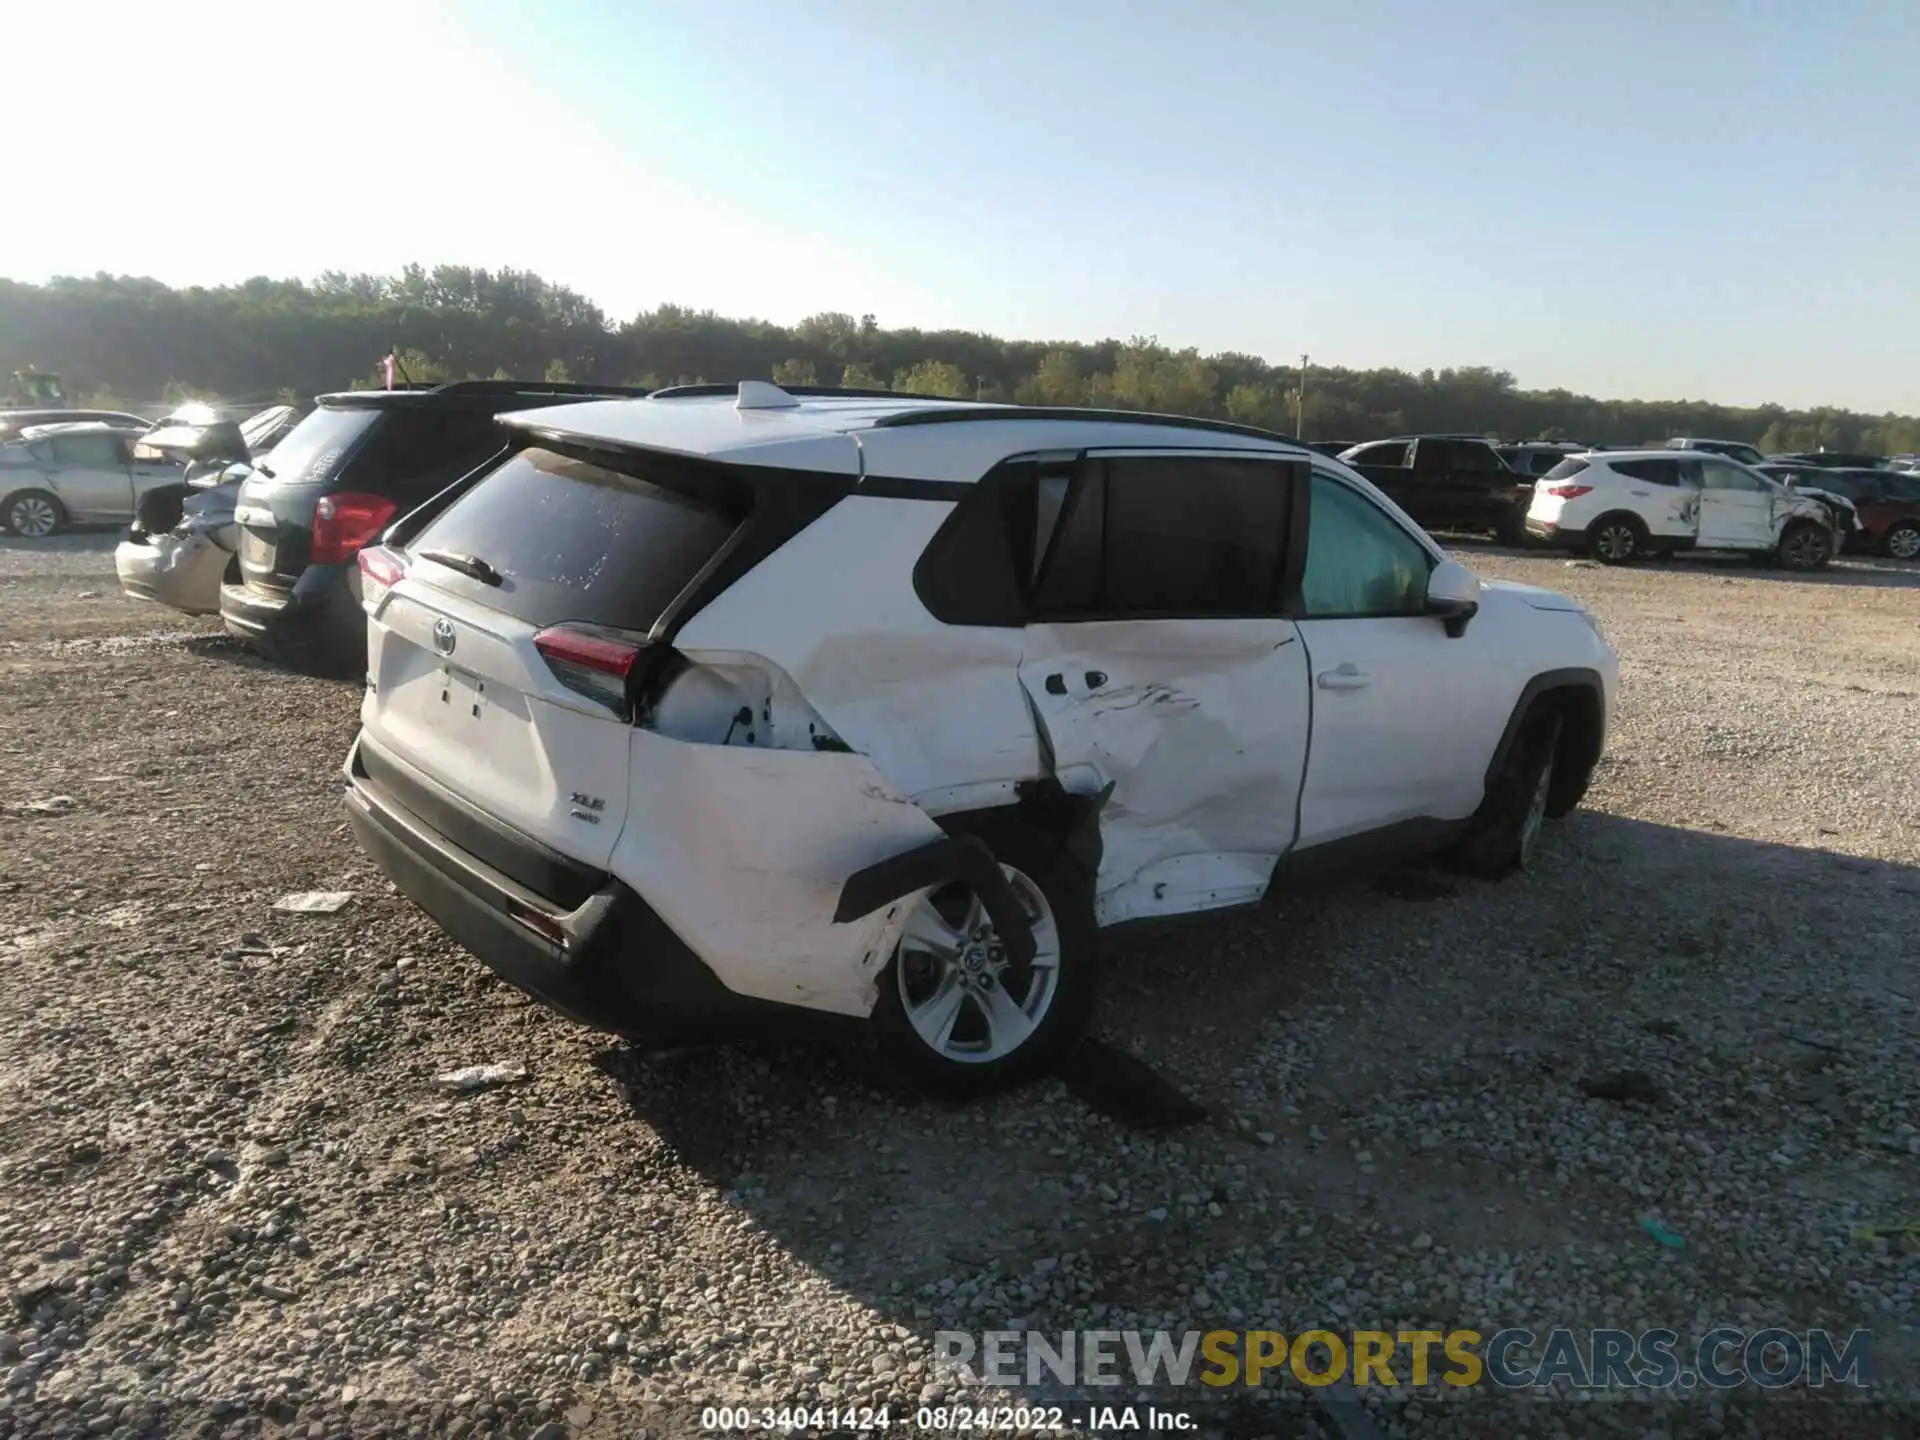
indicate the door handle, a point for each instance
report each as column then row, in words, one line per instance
column 1056, row 684
column 1095, row 679
column 1346, row 677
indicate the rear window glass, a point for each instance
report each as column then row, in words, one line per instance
column 315, row 447
column 1565, row 470
column 583, row 542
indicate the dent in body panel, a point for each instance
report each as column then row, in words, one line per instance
column 1195, row 731
column 744, row 851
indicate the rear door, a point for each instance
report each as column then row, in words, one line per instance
column 1165, row 677
column 1736, row 507
column 461, row 689
column 90, row 475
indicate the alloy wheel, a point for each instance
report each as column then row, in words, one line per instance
column 963, row 994
column 32, row 517
column 1904, row 543
column 1615, row 542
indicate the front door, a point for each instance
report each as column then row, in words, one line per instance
column 1164, row 678
column 1405, row 717
column 1736, row 508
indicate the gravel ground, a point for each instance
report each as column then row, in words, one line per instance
column 233, row 1200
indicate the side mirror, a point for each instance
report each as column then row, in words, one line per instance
column 1453, row 594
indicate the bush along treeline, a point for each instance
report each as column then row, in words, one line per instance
column 125, row 341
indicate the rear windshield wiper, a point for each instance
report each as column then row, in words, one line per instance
column 471, row 565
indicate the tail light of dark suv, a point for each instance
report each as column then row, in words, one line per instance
column 345, row 523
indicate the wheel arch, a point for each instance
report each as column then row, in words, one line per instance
column 1579, row 695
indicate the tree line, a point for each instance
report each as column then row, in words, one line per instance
column 122, row 341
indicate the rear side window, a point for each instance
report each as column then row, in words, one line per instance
column 584, row 541
column 1654, row 472
column 1169, row 536
column 101, row 451
column 417, row 451
column 1385, row 453
column 1565, row 470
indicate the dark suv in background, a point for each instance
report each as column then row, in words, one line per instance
column 358, row 462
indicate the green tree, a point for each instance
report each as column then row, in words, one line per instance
column 557, row 373
column 860, row 377
column 934, row 377
column 794, row 372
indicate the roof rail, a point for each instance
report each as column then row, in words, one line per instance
column 536, row 387
column 822, row 392
column 1069, row 412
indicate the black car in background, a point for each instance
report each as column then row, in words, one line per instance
column 358, row 462
column 1449, row 482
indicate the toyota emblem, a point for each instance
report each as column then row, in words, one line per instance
column 443, row 636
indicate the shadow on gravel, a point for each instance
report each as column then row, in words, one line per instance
column 887, row 1193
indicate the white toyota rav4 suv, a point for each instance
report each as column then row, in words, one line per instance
column 1624, row 505
column 737, row 698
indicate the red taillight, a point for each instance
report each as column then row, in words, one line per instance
column 380, row 570
column 591, row 660
column 1569, row 492
column 343, row 523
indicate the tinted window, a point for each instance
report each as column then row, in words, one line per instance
column 315, row 447
column 1479, row 459
column 1166, row 535
column 415, row 452
column 578, row 541
column 1385, row 453
column 1902, row 486
column 1854, row 487
column 1656, row 472
column 1542, row 461
column 1565, row 470
column 95, row 451
column 1359, row 560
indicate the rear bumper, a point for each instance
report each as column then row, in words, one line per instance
column 181, row 571
column 1553, row 532
column 610, row 962
column 318, row 626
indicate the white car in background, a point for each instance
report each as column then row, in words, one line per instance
column 1624, row 505
column 734, row 700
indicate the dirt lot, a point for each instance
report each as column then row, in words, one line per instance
column 232, row 1196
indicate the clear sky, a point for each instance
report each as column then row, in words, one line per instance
column 1662, row 198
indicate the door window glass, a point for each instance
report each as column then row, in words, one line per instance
column 1359, row 560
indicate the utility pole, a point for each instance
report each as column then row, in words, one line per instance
column 1300, row 403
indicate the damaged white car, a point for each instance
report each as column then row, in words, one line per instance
column 1625, row 505
column 733, row 700
column 184, row 537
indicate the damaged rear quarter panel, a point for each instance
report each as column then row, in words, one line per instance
column 936, row 708
column 743, row 852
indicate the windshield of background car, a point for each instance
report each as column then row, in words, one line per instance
column 582, row 541
column 314, row 448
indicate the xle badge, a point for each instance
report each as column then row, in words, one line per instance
column 585, row 807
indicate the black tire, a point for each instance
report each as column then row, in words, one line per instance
column 1804, row 546
column 1617, row 539
column 1068, row 895
column 1512, row 530
column 1902, row 541
column 25, row 510
column 1568, row 789
column 1504, row 833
